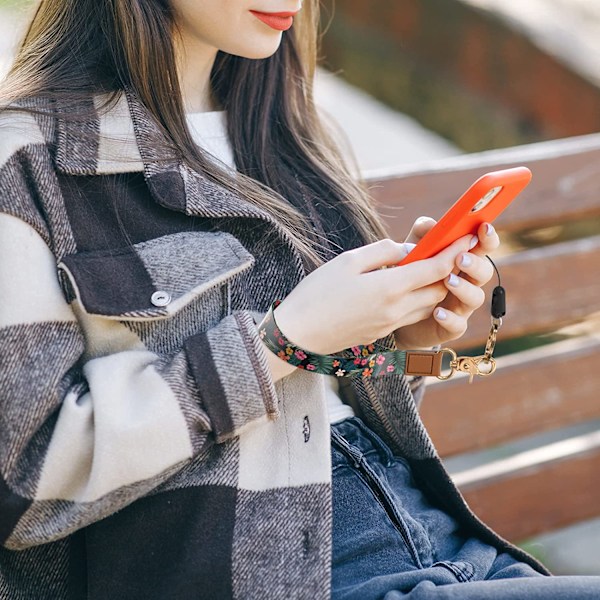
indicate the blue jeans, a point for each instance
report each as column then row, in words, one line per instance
column 389, row 542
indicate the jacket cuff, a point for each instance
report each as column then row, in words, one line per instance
column 230, row 368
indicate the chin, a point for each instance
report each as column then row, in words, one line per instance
column 257, row 49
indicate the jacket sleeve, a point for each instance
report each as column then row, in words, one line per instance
column 83, row 435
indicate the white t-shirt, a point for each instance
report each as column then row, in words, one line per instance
column 209, row 130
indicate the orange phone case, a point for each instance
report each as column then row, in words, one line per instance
column 495, row 191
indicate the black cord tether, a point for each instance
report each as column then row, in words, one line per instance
column 498, row 295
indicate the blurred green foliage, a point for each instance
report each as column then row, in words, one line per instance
column 15, row 4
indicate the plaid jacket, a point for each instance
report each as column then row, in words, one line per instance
column 144, row 450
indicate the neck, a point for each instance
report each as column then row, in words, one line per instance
column 194, row 63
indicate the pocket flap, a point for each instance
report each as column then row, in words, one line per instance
column 155, row 278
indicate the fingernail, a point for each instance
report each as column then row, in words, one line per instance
column 473, row 242
column 453, row 280
column 489, row 229
column 440, row 314
column 465, row 260
column 408, row 247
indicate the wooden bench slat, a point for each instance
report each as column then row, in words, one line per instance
column 546, row 288
column 540, row 497
column 565, row 186
column 532, row 391
column 533, row 459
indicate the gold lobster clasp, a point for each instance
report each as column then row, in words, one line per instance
column 473, row 365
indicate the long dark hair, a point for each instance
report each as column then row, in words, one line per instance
column 281, row 147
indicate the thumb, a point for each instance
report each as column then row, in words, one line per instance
column 379, row 254
column 420, row 227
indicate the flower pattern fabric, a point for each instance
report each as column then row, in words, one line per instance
column 366, row 361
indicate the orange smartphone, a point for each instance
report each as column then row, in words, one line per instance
column 481, row 203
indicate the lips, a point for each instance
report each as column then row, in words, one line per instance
column 279, row 20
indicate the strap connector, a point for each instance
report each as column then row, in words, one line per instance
column 424, row 362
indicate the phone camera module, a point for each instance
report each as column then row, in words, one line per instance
column 485, row 200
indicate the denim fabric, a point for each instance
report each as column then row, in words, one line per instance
column 389, row 542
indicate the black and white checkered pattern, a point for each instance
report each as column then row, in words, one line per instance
column 144, row 450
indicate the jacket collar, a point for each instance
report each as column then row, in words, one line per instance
column 125, row 139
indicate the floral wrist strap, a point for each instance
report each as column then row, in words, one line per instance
column 366, row 361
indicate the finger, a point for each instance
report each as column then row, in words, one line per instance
column 400, row 308
column 416, row 316
column 430, row 270
column 488, row 239
column 468, row 297
column 425, row 298
column 376, row 255
column 422, row 303
column 420, row 227
column 476, row 269
column 454, row 324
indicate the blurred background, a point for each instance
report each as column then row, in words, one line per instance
column 428, row 94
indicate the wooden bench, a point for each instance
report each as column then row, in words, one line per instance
column 549, row 287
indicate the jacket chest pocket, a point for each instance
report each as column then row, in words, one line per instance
column 181, row 279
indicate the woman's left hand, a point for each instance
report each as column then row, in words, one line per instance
column 450, row 318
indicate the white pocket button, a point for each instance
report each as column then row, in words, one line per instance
column 160, row 298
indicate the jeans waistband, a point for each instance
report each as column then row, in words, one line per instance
column 353, row 436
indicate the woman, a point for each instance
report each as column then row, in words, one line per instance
column 164, row 177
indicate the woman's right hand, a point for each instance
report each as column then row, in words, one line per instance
column 351, row 301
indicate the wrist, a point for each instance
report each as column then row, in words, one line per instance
column 295, row 330
column 278, row 367
column 365, row 360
